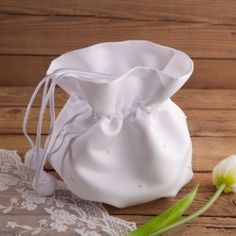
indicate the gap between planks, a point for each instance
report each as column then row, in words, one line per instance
column 210, row 113
column 211, row 226
column 187, row 98
column 43, row 33
column 201, row 123
column 185, row 11
column 207, row 151
column 225, row 206
column 205, row 74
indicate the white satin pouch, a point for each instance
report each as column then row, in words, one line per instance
column 119, row 139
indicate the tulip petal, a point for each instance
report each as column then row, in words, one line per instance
column 225, row 173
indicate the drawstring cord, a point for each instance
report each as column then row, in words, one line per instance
column 27, row 112
column 48, row 97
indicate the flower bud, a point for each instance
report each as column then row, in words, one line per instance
column 225, row 173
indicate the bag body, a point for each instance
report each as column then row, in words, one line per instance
column 119, row 139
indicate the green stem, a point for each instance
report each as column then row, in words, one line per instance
column 195, row 214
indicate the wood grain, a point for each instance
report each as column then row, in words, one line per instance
column 213, row 74
column 203, row 99
column 53, row 35
column 23, row 70
column 207, row 151
column 206, row 99
column 203, row 178
column 17, row 70
column 183, row 10
column 201, row 123
column 217, row 123
column 19, row 96
column 211, row 226
column 207, row 222
column 225, row 206
column 35, row 32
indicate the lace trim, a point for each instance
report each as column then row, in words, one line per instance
column 62, row 212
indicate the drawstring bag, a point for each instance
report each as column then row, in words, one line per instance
column 119, row 139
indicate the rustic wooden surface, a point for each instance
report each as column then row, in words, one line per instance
column 32, row 33
column 211, row 117
column 223, row 71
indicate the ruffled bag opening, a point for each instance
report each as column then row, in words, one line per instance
column 124, row 74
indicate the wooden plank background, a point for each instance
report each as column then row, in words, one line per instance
column 32, row 33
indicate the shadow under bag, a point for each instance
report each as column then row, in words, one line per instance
column 119, row 139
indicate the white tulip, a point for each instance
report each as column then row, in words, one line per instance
column 224, row 178
column 225, row 173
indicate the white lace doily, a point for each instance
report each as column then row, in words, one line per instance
column 23, row 212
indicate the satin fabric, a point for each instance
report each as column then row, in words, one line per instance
column 119, row 139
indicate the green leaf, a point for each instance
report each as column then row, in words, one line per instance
column 168, row 217
column 195, row 214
